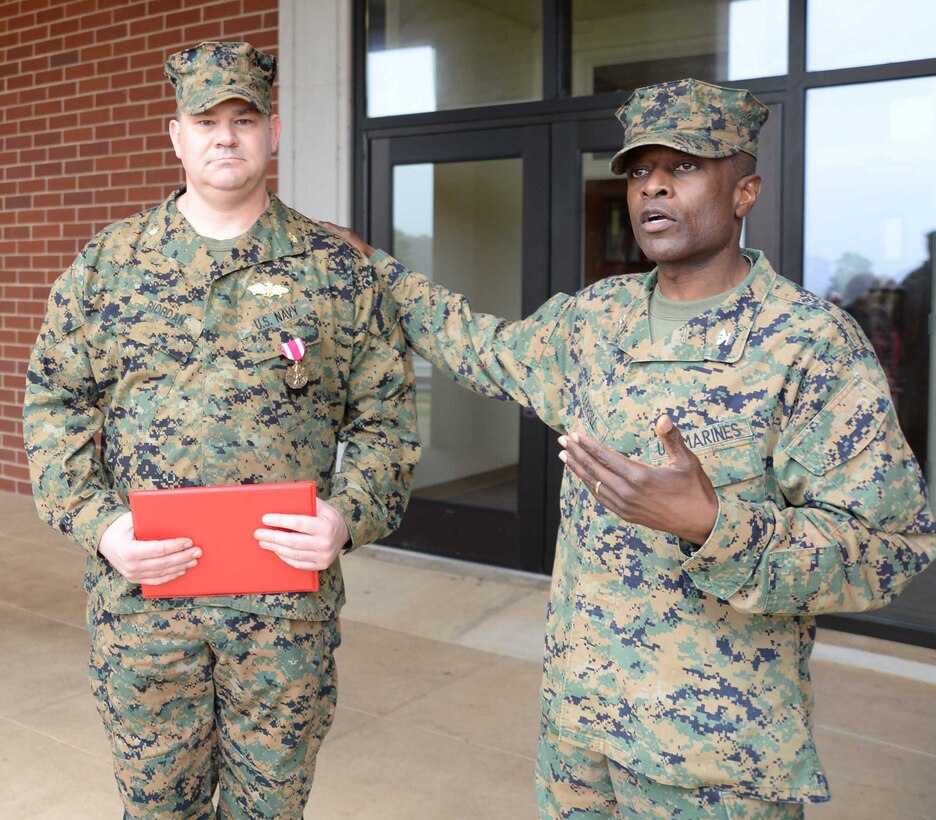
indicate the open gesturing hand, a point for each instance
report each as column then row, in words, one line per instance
column 675, row 497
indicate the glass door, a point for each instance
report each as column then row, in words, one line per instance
column 471, row 212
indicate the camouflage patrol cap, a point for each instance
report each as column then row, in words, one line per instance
column 691, row 116
column 211, row 72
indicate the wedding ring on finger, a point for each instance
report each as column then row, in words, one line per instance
column 597, row 485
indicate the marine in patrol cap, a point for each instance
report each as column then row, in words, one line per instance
column 205, row 75
column 691, row 116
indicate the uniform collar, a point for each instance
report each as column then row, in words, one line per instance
column 276, row 233
column 719, row 334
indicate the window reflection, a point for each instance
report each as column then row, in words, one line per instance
column 609, row 248
column 618, row 46
column 870, row 226
column 401, row 81
column 846, row 33
column 461, row 224
column 432, row 56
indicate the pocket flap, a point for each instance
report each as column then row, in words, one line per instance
column 267, row 345
column 731, row 463
column 842, row 429
column 728, row 451
column 161, row 328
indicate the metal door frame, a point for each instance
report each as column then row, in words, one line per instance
column 454, row 530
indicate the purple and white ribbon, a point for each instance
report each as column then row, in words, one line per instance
column 293, row 350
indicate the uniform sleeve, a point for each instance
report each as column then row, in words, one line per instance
column 523, row 361
column 372, row 489
column 858, row 524
column 61, row 418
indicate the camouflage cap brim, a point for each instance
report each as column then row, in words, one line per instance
column 696, row 146
column 201, row 101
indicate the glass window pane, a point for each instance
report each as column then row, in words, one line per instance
column 618, row 46
column 609, row 247
column 870, row 245
column 433, row 55
column 461, row 224
column 845, row 33
column 870, row 224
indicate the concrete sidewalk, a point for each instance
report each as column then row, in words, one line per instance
column 438, row 696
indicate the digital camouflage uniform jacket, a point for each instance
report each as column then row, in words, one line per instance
column 691, row 667
column 176, row 361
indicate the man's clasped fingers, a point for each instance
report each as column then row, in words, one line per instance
column 149, row 562
column 298, row 548
column 305, row 541
column 155, row 562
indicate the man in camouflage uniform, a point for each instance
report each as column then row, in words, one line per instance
column 736, row 467
column 165, row 337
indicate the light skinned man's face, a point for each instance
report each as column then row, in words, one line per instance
column 227, row 149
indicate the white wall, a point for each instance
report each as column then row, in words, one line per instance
column 315, row 102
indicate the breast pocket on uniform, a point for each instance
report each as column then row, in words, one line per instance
column 154, row 344
column 843, row 429
column 291, row 405
column 735, row 469
column 730, row 456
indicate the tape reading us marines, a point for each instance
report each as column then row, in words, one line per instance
column 702, row 438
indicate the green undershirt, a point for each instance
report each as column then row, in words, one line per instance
column 667, row 315
column 220, row 249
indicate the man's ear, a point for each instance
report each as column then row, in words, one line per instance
column 745, row 195
column 174, row 126
column 276, row 128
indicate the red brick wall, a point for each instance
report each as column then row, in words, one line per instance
column 83, row 142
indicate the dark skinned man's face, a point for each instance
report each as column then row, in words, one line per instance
column 683, row 209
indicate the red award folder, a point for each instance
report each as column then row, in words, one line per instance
column 222, row 521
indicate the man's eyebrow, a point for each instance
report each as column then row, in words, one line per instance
column 213, row 111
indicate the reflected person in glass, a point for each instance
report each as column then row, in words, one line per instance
column 734, row 467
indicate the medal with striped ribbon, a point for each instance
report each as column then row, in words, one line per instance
column 296, row 378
